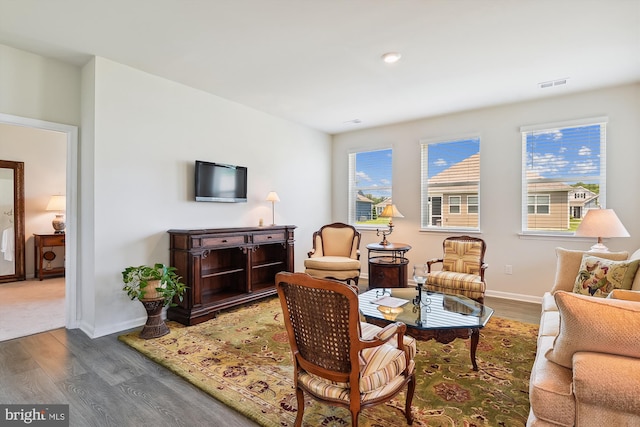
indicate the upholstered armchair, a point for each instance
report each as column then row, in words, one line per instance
column 338, row 360
column 462, row 270
column 335, row 253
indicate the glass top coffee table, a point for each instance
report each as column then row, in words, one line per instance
column 437, row 316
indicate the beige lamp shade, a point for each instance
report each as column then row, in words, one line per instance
column 391, row 211
column 273, row 197
column 601, row 223
column 57, row 203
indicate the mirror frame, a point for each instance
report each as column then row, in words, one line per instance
column 18, row 220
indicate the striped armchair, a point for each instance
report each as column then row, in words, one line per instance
column 462, row 269
column 337, row 359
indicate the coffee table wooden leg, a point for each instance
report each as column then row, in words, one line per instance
column 475, row 338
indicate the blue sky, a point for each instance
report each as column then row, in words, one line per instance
column 373, row 172
column 572, row 154
column 442, row 155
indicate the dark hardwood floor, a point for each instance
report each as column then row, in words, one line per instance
column 106, row 383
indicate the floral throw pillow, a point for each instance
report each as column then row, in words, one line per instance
column 598, row 276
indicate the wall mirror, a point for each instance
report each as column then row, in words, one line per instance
column 12, row 256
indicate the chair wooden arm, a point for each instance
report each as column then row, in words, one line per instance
column 433, row 261
column 311, row 252
column 388, row 332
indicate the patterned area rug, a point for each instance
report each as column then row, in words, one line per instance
column 243, row 359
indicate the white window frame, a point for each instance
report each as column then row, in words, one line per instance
column 425, row 203
column 602, row 196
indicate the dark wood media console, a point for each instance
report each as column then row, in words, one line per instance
column 225, row 267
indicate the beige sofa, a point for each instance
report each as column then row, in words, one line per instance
column 587, row 366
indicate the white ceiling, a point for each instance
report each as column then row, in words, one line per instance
column 317, row 62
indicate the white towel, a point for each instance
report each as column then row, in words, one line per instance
column 8, row 244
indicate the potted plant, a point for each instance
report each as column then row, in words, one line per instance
column 155, row 287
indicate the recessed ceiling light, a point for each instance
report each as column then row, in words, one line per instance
column 391, row 57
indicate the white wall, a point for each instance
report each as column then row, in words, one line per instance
column 533, row 259
column 44, row 155
column 146, row 134
column 39, row 88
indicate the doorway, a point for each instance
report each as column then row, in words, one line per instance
column 70, row 134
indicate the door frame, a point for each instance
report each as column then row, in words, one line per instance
column 71, row 238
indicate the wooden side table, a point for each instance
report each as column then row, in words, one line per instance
column 42, row 241
column 388, row 265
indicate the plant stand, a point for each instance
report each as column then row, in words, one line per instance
column 155, row 326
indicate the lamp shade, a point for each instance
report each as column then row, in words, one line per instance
column 57, row 203
column 601, row 223
column 273, row 197
column 391, row 211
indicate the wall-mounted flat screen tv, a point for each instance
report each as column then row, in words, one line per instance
column 218, row 182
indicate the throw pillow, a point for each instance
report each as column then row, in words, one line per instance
column 568, row 265
column 598, row 276
column 594, row 324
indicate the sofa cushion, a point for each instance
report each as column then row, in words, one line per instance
column 568, row 264
column 548, row 302
column 594, row 390
column 595, row 324
column 624, row 294
column 549, row 324
column 599, row 276
column 551, row 389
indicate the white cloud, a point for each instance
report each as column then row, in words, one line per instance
column 362, row 176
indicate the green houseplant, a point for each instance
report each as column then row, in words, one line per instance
column 146, row 283
column 155, row 287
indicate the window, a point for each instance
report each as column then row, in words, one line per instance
column 472, row 204
column 454, row 204
column 369, row 186
column 563, row 174
column 451, row 178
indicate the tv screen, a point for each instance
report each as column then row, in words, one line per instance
column 217, row 182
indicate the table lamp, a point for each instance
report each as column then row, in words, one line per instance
column 601, row 223
column 58, row 203
column 273, row 198
column 390, row 211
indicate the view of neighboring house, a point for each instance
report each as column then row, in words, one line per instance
column 453, row 199
column 453, row 195
column 364, row 208
column 581, row 200
column 383, row 204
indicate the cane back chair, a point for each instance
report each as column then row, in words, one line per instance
column 332, row 350
column 462, row 270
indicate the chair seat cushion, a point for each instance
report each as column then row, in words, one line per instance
column 381, row 373
column 451, row 279
column 332, row 263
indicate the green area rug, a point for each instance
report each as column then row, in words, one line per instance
column 243, row 359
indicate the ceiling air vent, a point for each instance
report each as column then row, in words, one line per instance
column 552, row 83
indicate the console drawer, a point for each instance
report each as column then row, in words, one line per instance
column 269, row 237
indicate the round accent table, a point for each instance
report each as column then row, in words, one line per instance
column 388, row 265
